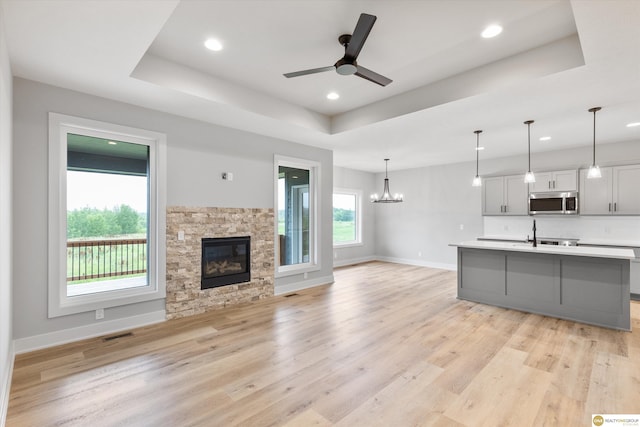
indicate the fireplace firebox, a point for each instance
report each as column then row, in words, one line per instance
column 225, row 261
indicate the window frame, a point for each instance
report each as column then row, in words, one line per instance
column 314, row 208
column 59, row 304
column 357, row 217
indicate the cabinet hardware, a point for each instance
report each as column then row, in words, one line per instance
column 615, row 206
column 609, row 207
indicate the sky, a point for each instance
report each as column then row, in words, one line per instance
column 101, row 190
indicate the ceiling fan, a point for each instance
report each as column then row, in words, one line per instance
column 347, row 65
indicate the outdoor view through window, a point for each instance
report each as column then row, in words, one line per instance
column 107, row 211
column 344, row 218
column 293, row 215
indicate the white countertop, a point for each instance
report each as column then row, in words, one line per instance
column 585, row 251
column 610, row 242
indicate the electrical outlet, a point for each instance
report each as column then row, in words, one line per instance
column 100, row 313
column 419, row 253
column 335, row 254
column 181, row 235
column 305, row 275
column 461, row 227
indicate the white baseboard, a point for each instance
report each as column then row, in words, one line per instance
column 305, row 284
column 442, row 266
column 5, row 382
column 37, row 342
column 353, row 261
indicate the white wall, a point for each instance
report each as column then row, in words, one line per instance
column 440, row 199
column 197, row 154
column 366, row 182
column 438, row 202
column 6, row 335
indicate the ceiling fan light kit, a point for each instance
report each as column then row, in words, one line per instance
column 347, row 65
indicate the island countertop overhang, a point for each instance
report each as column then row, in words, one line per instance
column 581, row 251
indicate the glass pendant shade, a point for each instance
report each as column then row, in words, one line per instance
column 594, row 170
column 529, row 177
column 477, row 182
column 386, row 194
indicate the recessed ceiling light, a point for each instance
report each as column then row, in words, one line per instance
column 112, row 143
column 213, row 44
column 632, row 125
column 491, row 31
column 545, row 138
column 479, row 148
column 333, row 96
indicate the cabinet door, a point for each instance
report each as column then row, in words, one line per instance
column 516, row 195
column 626, row 195
column 565, row 180
column 543, row 182
column 596, row 194
column 492, row 196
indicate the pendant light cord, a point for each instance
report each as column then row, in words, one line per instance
column 594, row 110
column 477, row 132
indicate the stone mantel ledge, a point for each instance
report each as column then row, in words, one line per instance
column 184, row 296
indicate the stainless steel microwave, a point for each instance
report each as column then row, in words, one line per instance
column 553, row 203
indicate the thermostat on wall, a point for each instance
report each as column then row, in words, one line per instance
column 228, row 176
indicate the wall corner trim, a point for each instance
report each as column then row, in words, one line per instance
column 37, row 342
column 5, row 384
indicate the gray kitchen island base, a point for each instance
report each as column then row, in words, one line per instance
column 591, row 290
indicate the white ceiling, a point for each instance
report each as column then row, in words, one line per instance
column 553, row 61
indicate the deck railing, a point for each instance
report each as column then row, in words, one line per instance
column 94, row 259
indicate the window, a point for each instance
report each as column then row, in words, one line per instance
column 106, row 215
column 297, row 206
column 346, row 217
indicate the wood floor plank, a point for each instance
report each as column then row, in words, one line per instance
column 386, row 344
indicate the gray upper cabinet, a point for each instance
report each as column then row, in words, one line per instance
column 616, row 193
column 566, row 180
column 504, row 195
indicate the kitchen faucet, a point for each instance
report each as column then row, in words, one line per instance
column 535, row 239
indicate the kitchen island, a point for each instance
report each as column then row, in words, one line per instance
column 585, row 284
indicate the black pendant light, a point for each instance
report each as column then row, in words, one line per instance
column 477, row 182
column 529, row 177
column 386, row 194
column 594, row 170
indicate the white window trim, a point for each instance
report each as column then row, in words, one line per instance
column 59, row 303
column 358, row 218
column 314, row 209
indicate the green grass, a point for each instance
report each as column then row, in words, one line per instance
column 99, row 259
column 344, row 231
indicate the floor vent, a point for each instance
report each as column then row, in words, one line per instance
column 113, row 337
column 291, row 295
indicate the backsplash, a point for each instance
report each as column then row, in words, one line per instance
column 622, row 228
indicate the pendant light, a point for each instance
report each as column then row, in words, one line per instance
column 477, row 182
column 594, row 170
column 529, row 177
column 386, row 195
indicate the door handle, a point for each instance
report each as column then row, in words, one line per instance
column 549, row 184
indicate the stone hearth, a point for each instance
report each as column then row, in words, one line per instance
column 184, row 296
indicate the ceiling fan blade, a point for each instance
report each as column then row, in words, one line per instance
column 372, row 76
column 311, row 71
column 359, row 36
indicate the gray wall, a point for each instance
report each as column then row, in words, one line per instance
column 439, row 199
column 365, row 182
column 437, row 202
column 197, row 154
column 6, row 338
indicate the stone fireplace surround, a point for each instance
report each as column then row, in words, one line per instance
column 184, row 296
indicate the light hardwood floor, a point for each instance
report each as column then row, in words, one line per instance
column 385, row 345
